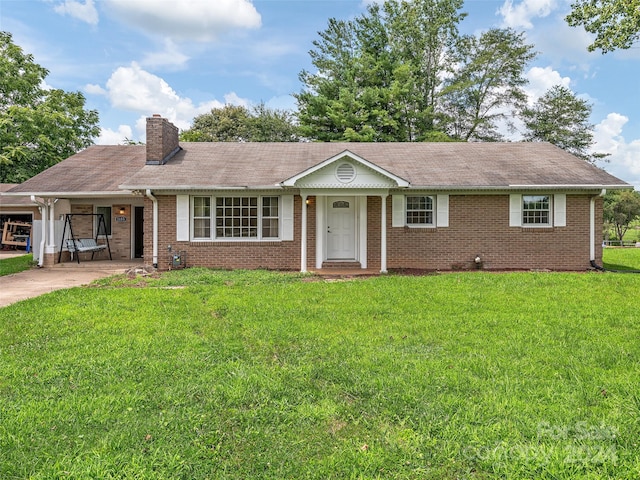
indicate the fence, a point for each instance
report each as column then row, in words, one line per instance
column 618, row 243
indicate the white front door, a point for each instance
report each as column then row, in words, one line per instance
column 341, row 228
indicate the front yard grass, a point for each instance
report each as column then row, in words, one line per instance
column 617, row 258
column 16, row 264
column 239, row 375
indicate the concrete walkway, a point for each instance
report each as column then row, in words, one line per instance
column 37, row 281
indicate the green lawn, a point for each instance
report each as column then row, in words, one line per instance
column 16, row 264
column 238, row 375
column 615, row 258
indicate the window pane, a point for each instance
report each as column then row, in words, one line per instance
column 420, row 210
column 106, row 228
column 536, row 209
column 202, row 227
column 270, row 228
column 238, row 217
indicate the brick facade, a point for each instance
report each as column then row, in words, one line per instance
column 120, row 239
column 478, row 226
column 224, row 255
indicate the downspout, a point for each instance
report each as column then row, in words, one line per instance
column 43, row 214
column 592, row 226
column 155, row 227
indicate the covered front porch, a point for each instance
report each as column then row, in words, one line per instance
column 343, row 231
column 342, row 192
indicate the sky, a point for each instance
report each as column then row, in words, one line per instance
column 181, row 58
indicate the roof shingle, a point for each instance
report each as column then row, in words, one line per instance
column 254, row 165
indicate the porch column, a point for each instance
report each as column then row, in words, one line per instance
column 303, row 235
column 51, row 240
column 383, row 234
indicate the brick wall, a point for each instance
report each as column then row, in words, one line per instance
column 225, row 255
column 120, row 239
column 479, row 225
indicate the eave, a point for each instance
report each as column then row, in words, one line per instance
column 88, row 194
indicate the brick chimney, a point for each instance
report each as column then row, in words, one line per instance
column 162, row 140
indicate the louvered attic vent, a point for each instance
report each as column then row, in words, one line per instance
column 345, row 172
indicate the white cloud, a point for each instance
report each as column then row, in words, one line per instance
column 520, row 15
column 186, row 19
column 233, row 99
column 82, row 11
column 608, row 134
column 134, row 89
column 93, row 89
column 541, row 80
column 624, row 159
column 111, row 137
column 169, row 57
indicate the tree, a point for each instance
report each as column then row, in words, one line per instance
column 487, row 85
column 620, row 209
column 38, row 127
column 561, row 118
column 378, row 77
column 233, row 123
column 616, row 23
column 272, row 125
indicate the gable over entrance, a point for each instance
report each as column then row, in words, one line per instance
column 346, row 171
column 341, row 185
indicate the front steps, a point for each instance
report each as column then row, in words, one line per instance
column 341, row 265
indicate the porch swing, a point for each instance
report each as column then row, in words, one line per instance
column 77, row 245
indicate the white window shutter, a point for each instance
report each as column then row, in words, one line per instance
column 442, row 214
column 397, row 214
column 287, row 217
column 560, row 210
column 515, row 210
column 182, row 218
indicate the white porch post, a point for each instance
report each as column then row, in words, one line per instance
column 51, row 241
column 383, row 234
column 303, row 235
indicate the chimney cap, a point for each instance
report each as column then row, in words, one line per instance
column 157, row 115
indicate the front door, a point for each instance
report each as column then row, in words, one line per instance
column 138, row 232
column 341, row 228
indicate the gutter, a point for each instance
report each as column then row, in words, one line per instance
column 101, row 194
column 155, row 227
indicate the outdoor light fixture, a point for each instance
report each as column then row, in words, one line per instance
column 122, row 210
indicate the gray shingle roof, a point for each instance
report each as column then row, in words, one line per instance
column 7, row 201
column 99, row 168
column 254, row 165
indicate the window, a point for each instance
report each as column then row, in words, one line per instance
column 202, row 217
column 536, row 210
column 235, row 217
column 270, row 217
column 420, row 210
column 106, row 228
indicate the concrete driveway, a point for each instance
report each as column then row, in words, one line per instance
column 37, row 281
